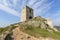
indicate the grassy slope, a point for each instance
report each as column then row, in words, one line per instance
column 37, row 32
column 8, row 28
column 3, row 30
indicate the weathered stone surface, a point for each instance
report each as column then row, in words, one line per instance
column 49, row 22
column 26, row 14
column 19, row 35
column 2, row 37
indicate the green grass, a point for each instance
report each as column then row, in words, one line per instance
column 3, row 30
column 8, row 28
column 34, row 31
column 37, row 32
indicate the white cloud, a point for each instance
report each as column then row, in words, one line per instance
column 57, row 13
column 15, row 1
column 56, row 21
column 0, row 1
column 56, row 18
column 5, row 2
column 44, row 8
column 38, row 4
column 31, row 2
column 8, row 3
column 9, row 10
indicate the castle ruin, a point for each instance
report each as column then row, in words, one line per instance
column 26, row 14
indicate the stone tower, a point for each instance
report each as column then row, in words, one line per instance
column 26, row 14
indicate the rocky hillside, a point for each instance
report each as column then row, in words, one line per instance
column 39, row 28
column 20, row 35
column 36, row 22
column 36, row 27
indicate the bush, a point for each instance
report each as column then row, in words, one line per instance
column 29, row 28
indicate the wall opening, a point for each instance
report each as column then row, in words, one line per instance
column 30, row 17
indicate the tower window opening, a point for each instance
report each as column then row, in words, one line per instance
column 30, row 17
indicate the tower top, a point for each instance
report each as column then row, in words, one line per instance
column 27, row 7
column 27, row 13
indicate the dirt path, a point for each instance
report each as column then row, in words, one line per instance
column 19, row 35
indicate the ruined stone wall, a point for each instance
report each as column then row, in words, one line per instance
column 26, row 14
column 23, row 14
column 49, row 22
column 29, row 12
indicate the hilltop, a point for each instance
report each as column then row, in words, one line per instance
column 38, row 28
column 35, row 27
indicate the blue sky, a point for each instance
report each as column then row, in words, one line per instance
column 10, row 10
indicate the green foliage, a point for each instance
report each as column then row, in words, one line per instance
column 8, row 28
column 34, row 31
column 29, row 28
column 37, row 32
column 3, row 29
